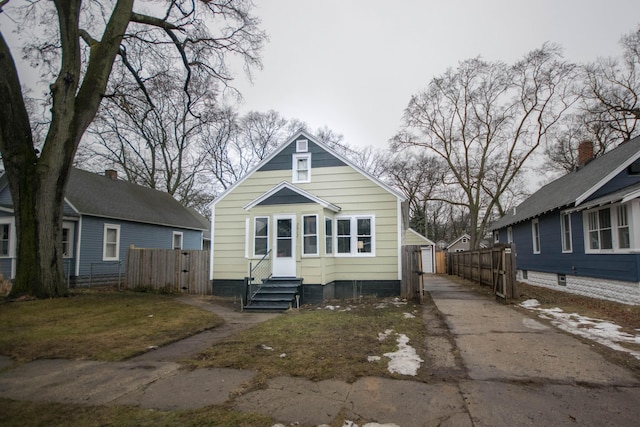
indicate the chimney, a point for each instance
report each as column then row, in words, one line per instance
column 111, row 173
column 585, row 153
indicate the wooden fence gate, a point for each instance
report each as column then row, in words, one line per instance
column 411, row 287
column 170, row 270
column 495, row 267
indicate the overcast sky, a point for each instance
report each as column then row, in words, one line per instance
column 353, row 64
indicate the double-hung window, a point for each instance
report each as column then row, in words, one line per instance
column 301, row 167
column 535, row 234
column 610, row 229
column 67, row 240
column 565, row 226
column 624, row 241
column 355, row 235
column 177, row 240
column 310, row 235
column 111, row 243
column 260, row 236
column 328, row 236
column 600, row 236
column 5, row 240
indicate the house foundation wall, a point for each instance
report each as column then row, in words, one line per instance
column 316, row 293
column 612, row 290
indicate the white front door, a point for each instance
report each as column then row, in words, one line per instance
column 284, row 261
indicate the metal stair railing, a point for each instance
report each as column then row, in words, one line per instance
column 258, row 274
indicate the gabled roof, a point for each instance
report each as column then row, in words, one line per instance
column 459, row 239
column 284, row 186
column 325, row 147
column 415, row 234
column 573, row 189
column 101, row 196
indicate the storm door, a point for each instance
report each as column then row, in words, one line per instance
column 284, row 261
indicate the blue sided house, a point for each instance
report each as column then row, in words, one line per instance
column 581, row 232
column 103, row 217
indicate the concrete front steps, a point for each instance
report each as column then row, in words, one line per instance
column 275, row 294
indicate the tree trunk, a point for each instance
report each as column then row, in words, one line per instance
column 39, row 208
column 38, row 183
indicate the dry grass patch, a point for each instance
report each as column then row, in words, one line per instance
column 107, row 326
column 20, row 414
column 322, row 343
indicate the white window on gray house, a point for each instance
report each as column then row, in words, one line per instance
column 67, row 240
column 177, row 240
column 565, row 226
column 535, row 234
column 355, row 235
column 302, row 146
column 509, row 235
column 301, row 167
column 624, row 241
column 5, row 240
column 496, row 236
column 600, row 235
column 260, row 236
column 328, row 236
column 111, row 243
column 310, row 235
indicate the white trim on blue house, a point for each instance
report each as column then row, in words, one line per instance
column 607, row 178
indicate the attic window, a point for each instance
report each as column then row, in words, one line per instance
column 302, row 146
column 301, row 168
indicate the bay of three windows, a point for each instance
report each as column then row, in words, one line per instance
column 606, row 229
column 346, row 235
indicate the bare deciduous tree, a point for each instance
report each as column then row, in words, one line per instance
column 485, row 120
column 83, row 42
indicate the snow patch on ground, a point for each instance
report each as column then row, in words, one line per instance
column 409, row 316
column 601, row 331
column 405, row 360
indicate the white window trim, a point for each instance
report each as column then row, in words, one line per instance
column 173, row 239
column 354, row 236
column 70, row 238
column 12, row 237
column 496, row 236
column 509, row 235
column 633, row 209
column 104, row 242
column 535, row 240
column 253, row 240
column 317, row 235
column 566, row 250
column 332, row 236
column 302, row 146
column 294, row 167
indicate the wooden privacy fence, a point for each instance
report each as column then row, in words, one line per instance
column 441, row 262
column 495, row 267
column 411, row 287
column 169, row 270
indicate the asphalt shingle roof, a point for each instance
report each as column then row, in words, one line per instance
column 98, row 195
column 568, row 190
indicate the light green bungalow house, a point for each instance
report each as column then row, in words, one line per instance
column 306, row 225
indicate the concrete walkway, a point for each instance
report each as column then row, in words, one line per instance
column 491, row 366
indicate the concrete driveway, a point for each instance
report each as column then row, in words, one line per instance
column 490, row 364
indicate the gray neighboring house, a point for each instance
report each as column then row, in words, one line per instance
column 103, row 217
